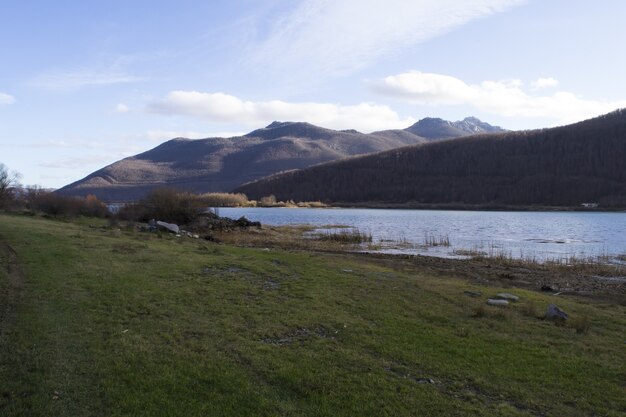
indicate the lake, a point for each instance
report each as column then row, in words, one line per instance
column 538, row 235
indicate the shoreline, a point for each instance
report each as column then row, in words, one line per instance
column 445, row 207
column 598, row 281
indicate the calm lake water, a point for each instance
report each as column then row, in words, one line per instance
column 539, row 235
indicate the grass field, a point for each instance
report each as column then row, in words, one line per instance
column 108, row 322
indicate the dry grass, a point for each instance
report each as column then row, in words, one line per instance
column 301, row 237
column 572, row 265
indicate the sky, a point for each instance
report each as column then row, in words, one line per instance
column 84, row 84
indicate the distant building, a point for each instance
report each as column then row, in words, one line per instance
column 590, row 205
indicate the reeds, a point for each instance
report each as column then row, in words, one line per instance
column 346, row 236
column 430, row 239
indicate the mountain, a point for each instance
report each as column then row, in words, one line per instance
column 221, row 164
column 562, row 166
column 435, row 128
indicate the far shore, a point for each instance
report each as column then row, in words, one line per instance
column 450, row 207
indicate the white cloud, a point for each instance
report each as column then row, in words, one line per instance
column 6, row 98
column 541, row 83
column 220, row 107
column 73, row 79
column 505, row 97
column 122, row 108
column 334, row 37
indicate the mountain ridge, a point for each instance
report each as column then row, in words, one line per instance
column 221, row 164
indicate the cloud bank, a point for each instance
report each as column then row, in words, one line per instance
column 328, row 37
column 505, row 98
column 225, row 108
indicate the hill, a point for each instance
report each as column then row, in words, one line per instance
column 221, row 164
column 563, row 166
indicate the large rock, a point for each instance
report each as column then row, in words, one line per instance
column 507, row 296
column 170, row 227
column 494, row 302
column 555, row 313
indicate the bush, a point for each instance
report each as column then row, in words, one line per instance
column 165, row 204
column 63, row 206
column 268, row 201
column 224, row 200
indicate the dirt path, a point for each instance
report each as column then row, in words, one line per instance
column 9, row 293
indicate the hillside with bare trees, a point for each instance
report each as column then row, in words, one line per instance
column 562, row 166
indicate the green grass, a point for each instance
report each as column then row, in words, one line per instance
column 123, row 323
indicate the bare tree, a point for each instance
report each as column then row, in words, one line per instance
column 8, row 181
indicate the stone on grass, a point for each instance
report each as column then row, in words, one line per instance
column 507, row 296
column 497, row 302
column 170, row 227
column 555, row 313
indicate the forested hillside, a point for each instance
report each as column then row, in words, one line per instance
column 563, row 166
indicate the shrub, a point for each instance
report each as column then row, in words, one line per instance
column 165, row 204
column 224, row 200
column 63, row 206
column 268, row 201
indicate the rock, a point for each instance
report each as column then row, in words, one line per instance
column 170, row 227
column 555, row 313
column 425, row 381
column 243, row 222
column 507, row 296
column 473, row 293
column 496, row 302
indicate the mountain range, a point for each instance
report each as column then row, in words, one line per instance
column 222, row 164
column 562, row 166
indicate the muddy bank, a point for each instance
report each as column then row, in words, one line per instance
column 562, row 280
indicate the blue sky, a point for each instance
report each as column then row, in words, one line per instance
column 83, row 84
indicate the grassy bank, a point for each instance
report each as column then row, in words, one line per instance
column 110, row 322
